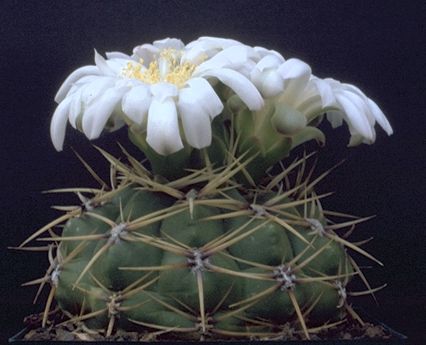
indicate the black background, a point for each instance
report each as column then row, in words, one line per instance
column 376, row 45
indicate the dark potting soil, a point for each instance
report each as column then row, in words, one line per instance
column 350, row 330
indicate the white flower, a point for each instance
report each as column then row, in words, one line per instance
column 293, row 84
column 352, row 105
column 160, row 86
column 287, row 80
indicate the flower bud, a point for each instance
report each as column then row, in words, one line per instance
column 287, row 120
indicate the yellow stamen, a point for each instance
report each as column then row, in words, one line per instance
column 166, row 68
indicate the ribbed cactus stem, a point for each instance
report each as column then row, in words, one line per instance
column 202, row 256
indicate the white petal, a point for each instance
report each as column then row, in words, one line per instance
column 163, row 127
column 86, row 79
column 355, row 117
column 380, row 117
column 354, row 89
column 296, row 74
column 172, row 43
column 232, row 57
column 117, row 65
column 246, row 68
column 266, row 77
column 240, row 85
column 204, row 48
column 146, row 52
column 204, row 94
column 59, row 123
column 269, row 83
column 117, row 55
column 210, row 43
column 72, row 78
column 136, row 103
column 196, row 55
column 294, row 69
column 91, row 91
column 103, row 65
column 75, row 108
column 361, row 103
column 262, row 52
column 325, row 91
column 195, row 120
column 269, row 61
column 97, row 114
column 272, row 84
column 162, row 91
column 373, row 110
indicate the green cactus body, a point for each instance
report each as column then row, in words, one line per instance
column 87, row 224
column 224, row 263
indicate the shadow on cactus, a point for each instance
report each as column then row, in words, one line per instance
column 201, row 256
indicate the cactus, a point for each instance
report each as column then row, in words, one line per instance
column 210, row 239
column 201, row 256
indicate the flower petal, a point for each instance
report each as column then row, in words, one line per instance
column 269, row 61
column 204, row 48
column 136, row 103
column 163, row 127
column 146, row 52
column 85, row 80
column 239, row 84
column 97, row 114
column 204, row 94
column 266, row 77
column 59, row 123
column 75, row 108
column 294, row 69
column 117, row 65
column 102, row 64
column 355, row 117
column 117, row 55
column 325, row 91
column 163, row 91
column 232, row 57
column 380, row 117
column 262, row 52
column 173, row 43
column 195, row 56
column 213, row 43
column 361, row 103
column 91, row 91
column 296, row 75
column 195, row 119
column 269, row 83
column 72, row 78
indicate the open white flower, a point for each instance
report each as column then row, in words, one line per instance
column 160, row 86
column 293, row 84
column 352, row 105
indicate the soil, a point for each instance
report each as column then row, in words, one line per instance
column 349, row 330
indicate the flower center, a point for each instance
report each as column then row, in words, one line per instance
column 166, row 68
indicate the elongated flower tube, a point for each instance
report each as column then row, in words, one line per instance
column 162, row 87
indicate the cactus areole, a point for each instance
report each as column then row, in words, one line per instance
column 219, row 233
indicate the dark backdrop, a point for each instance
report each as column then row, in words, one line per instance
column 377, row 45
